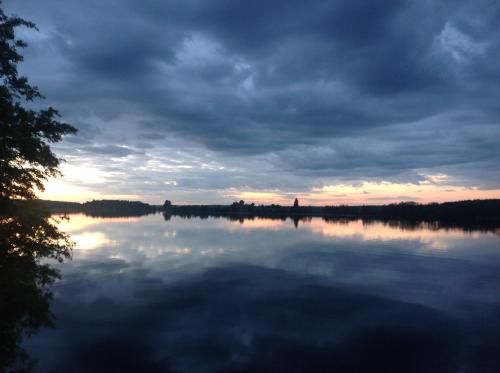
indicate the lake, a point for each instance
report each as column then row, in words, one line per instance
column 212, row 295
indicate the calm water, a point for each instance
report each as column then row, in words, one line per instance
column 145, row 294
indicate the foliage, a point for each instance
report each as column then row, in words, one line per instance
column 28, row 236
column 26, row 159
column 25, row 238
column 482, row 214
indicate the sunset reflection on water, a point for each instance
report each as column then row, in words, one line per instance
column 85, row 230
column 254, row 285
column 78, row 222
column 159, row 237
column 429, row 234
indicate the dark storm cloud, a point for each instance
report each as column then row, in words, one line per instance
column 387, row 152
column 324, row 84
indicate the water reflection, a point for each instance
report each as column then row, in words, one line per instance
column 27, row 236
column 366, row 230
column 264, row 295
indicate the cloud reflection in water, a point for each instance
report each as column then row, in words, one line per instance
column 264, row 296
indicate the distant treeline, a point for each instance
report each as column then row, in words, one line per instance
column 101, row 208
column 475, row 210
column 465, row 213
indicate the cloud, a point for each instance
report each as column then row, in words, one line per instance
column 111, row 150
column 335, row 89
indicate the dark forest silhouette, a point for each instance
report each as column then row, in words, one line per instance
column 477, row 210
column 102, row 208
column 28, row 235
column 473, row 214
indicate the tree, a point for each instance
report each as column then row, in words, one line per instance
column 27, row 234
column 26, row 160
column 296, row 203
column 26, row 238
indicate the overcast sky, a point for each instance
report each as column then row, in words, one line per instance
column 336, row 101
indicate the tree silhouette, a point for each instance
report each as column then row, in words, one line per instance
column 27, row 234
column 296, row 203
column 26, row 237
column 26, row 159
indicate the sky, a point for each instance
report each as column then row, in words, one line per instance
column 213, row 101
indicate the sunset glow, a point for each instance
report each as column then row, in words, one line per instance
column 367, row 192
column 216, row 113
